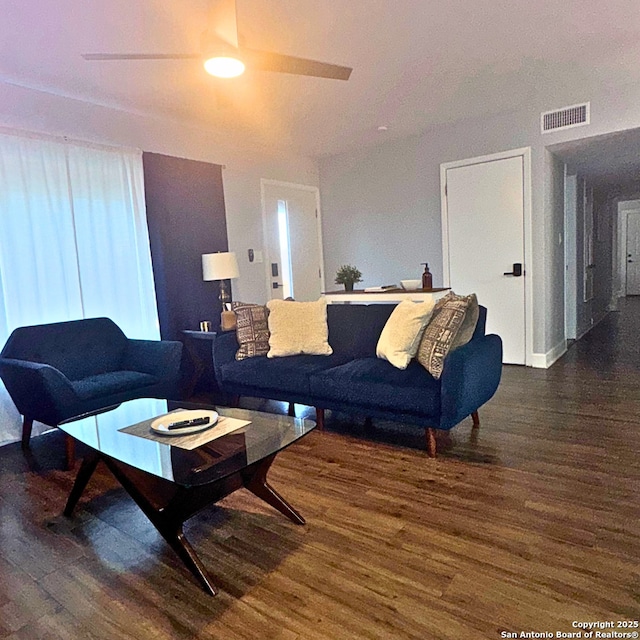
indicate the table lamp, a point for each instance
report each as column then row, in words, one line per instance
column 220, row 266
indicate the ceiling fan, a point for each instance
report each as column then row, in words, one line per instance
column 223, row 57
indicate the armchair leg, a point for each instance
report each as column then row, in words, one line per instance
column 320, row 418
column 70, row 452
column 430, row 433
column 292, row 410
column 476, row 419
column 27, row 425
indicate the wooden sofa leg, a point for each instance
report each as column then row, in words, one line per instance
column 320, row 418
column 70, row 451
column 431, row 442
column 27, row 425
column 476, row 420
column 292, row 410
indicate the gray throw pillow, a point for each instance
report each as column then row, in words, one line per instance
column 252, row 329
column 448, row 329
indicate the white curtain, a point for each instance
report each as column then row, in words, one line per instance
column 73, row 241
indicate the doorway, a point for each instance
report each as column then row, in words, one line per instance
column 293, row 240
column 486, row 227
column 628, row 248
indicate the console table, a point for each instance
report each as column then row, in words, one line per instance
column 386, row 296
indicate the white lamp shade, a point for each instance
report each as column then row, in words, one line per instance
column 219, row 266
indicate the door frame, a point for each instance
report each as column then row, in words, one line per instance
column 621, row 244
column 525, row 154
column 263, row 201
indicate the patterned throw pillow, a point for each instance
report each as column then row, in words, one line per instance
column 448, row 329
column 471, row 316
column 252, row 329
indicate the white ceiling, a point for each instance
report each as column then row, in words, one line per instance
column 416, row 62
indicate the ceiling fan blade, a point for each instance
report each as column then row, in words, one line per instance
column 141, row 56
column 223, row 21
column 268, row 61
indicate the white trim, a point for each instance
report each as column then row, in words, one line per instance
column 545, row 360
column 263, row 202
column 525, row 154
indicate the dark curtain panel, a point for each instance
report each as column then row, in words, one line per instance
column 186, row 218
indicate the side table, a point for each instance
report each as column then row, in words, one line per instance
column 199, row 364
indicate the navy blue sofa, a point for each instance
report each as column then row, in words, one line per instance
column 54, row 372
column 354, row 380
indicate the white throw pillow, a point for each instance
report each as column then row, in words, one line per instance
column 399, row 340
column 298, row 327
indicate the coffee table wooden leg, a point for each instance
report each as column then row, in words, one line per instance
column 88, row 466
column 168, row 525
column 256, row 482
column 177, row 541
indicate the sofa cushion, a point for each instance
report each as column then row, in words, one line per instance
column 470, row 320
column 400, row 337
column 354, row 329
column 106, row 384
column 441, row 333
column 252, row 330
column 377, row 383
column 298, row 328
column 285, row 375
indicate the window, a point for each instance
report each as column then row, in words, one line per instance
column 285, row 249
column 73, row 241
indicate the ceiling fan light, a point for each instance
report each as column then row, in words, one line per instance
column 224, row 67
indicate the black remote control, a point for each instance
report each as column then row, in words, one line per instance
column 183, row 424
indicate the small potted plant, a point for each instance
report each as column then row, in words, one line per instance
column 348, row 275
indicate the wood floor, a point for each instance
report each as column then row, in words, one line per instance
column 528, row 524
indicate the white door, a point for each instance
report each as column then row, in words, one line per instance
column 292, row 240
column 633, row 254
column 483, row 233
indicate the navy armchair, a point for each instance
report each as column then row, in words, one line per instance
column 56, row 372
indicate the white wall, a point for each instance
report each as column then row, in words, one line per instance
column 571, row 265
column 381, row 205
column 554, row 343
column 245, row 160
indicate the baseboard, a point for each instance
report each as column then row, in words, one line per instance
column 545, row 360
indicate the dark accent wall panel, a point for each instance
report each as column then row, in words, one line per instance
column 186, row 218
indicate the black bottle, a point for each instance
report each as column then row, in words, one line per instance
column 427, row 277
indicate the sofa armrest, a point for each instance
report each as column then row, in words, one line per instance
column 470, row 377
column 159, row 358
column 38, row 390
column 223, row 350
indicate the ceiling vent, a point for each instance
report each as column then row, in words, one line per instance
column 573, row 116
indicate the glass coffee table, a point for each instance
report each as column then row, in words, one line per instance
column 171, row 484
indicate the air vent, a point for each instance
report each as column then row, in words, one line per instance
column 573, row 116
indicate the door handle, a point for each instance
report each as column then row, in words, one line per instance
column 275, row 285
column 517, row 270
